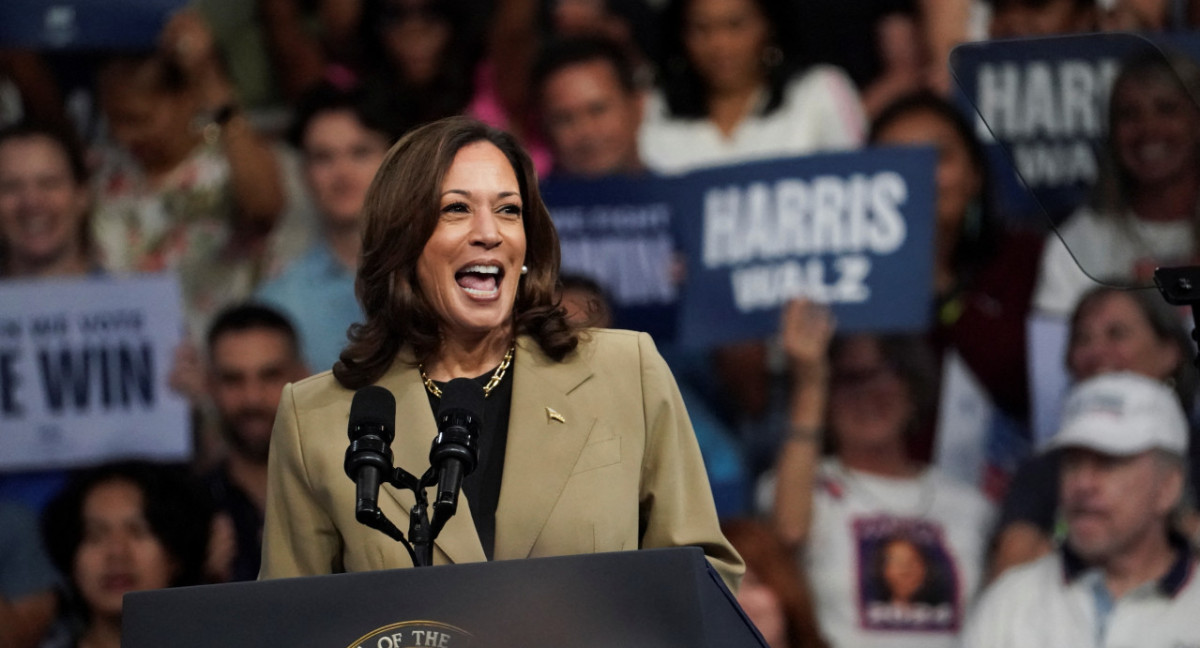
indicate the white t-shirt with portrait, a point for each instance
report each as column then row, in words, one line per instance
column 894, row 562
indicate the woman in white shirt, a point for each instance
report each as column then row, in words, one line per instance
column 1147, row 200
column 893, row 549
column 731, row 90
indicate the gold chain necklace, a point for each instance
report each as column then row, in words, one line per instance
column 497, row 375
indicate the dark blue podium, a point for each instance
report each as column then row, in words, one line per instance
column 644, row 599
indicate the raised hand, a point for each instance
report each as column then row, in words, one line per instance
column 805, row 331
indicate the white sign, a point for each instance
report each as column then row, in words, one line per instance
column 83, row 371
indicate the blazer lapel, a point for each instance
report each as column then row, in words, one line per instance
column 415, row 430
column 545, row 436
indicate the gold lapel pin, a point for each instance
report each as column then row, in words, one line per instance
column 552, row 415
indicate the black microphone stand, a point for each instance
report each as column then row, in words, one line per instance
column 421, row 534
column 1180, row 286
column 453, row 456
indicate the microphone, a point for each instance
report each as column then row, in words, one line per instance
column 455, row 450
column 369, row 457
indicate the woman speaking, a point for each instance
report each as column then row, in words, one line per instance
column 585, row 445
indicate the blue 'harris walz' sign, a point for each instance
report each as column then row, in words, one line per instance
column 1042, row 105
column 853, row 230
column 617, row 231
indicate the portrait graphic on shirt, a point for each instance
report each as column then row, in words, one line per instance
column 906, row 575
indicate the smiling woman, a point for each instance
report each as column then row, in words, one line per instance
column 1143, row 213
column 893, row 548
column 44, row 203
column 471, row 264
column 585, row 445
column 453, row 195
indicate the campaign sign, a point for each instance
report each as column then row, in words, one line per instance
column 83, row 371
column 617, row 231
column 1042, row 104
column 853, row 230
column 83, row 24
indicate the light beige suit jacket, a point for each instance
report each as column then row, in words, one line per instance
column 620, row 471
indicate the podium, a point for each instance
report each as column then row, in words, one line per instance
column 649, row 598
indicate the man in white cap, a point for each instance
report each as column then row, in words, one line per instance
column 1123, row 577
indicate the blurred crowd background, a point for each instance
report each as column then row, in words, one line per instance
column 230, row 146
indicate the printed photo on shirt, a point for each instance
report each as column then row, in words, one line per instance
column 907, row 579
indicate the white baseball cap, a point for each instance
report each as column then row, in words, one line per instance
column 1122, row 414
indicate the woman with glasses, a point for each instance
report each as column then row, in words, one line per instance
column 867, row 395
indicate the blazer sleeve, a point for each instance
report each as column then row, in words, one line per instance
column 676, row 503
column 299, row 537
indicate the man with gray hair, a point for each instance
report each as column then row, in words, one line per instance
column 1123, row 577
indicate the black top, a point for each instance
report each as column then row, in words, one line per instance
column 845, row 34
column 482, row 486
column 1032, row 495
column 247, row 522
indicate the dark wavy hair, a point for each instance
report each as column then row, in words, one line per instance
column 400, row 213
column 159, row 72
column 250, row 316
column 63, row 137
column 566, row 52
column 913, row 361
column 980, row 231
column 452, row 86
column 683, row 87
column 935, row 589
column 178, row 510
column 368, row 105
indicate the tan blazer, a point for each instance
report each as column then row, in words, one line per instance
column 620, row 471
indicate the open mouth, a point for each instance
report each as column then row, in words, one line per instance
column 118, row 582
column 480, row 280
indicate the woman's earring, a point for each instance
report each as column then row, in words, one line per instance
column 524, row 269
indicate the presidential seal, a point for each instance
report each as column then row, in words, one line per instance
column 415, row 634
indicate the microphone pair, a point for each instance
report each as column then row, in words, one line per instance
column 453, row 455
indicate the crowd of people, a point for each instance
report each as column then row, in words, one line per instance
column 260, row 171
